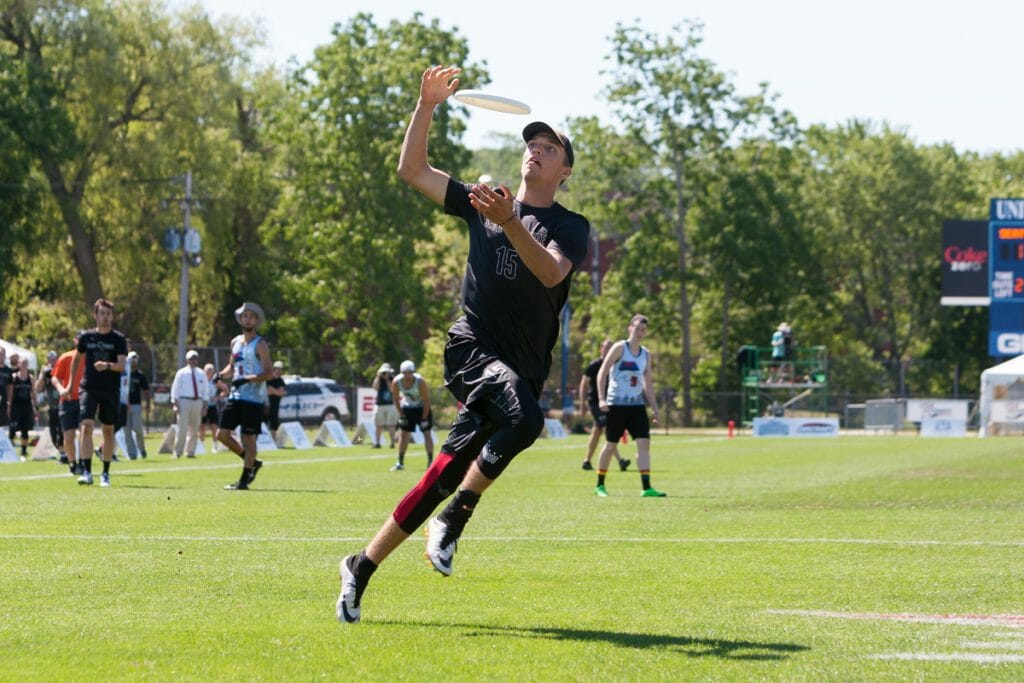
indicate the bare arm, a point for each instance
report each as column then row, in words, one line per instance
column 614, row 354
column 396, row 395
column 40, row 383
column 649, row 390
column 584, row 386
column 437, row 85
column 425, row 393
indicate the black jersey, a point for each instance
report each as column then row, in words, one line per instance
column 23, row 391
column 137, row 383
column 592, row 369
column 106, row 347
column 6, row 375
column 507, row 309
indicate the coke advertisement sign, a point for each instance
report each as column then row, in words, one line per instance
column 965, row 263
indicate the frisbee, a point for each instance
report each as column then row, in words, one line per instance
column 478, row 98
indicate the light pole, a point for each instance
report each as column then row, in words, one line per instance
column 189, row 242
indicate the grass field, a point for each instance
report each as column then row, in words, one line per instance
column 806, row 559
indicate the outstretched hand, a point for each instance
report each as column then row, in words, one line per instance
column 494, row 203
column 438, row 84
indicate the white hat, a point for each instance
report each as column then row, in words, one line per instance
column 133, row 354
column 250, row 306
column 192, row 353
column 407, row 366
column 385, row 367
column 278, row 364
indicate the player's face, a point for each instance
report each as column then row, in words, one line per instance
column 638, row 329
column 103, row 316
column 544, row 160
column 248, row 319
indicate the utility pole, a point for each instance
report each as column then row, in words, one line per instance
column 186, row 208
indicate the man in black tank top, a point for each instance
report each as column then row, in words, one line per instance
column 523, row 250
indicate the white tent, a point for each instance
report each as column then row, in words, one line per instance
column 1002, row 398
column 22, row 353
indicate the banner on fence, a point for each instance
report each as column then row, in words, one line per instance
column 796, row 426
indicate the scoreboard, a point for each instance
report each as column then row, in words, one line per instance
column 1006, row 277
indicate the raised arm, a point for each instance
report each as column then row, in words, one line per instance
column 437, row 85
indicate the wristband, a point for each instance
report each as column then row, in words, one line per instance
column 502, row 224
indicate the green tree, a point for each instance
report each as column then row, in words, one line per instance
column 355, row 234
column 686, row 114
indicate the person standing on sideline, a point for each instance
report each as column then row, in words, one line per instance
column 385, row 416
column 412, row 402
column 217, row 390
column 44, row 386
column 779, row 353
column 189, row 391
column 138, row 391
column 623, row 383
column 104, row 351
column 69, row 412
column 6, row 375
column 275, row 392
column 248, row 369
column 21, row 405
column 523, row 250
column 588, row 397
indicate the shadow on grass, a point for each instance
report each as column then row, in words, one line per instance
column 747, row 650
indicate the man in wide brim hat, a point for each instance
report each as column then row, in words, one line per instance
column 254, row 308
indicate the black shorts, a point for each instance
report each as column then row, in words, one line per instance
column 4, row 417
column 106, row 405
column 632, row 419
column 212, row 416
column 69, row 415
column 23, row 418
column 600, row 417
column 413, row 417
column 244, row 414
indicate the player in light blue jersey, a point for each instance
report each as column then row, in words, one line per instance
column 248, row 370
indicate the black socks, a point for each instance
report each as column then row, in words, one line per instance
column 457, row 513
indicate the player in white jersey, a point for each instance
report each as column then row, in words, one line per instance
column 624, row 390
column 412, row 401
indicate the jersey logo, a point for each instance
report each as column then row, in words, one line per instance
column 629, row 366
column 507, row 260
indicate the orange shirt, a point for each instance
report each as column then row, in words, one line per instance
column 62, row 371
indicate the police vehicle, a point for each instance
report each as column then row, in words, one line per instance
column 312, row 400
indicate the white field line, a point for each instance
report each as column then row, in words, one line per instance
column 547, row 539
column 1003, row 620
column 993, row 645
column 132, row 467
column 972, row 657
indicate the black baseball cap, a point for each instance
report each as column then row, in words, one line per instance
column 537, row 127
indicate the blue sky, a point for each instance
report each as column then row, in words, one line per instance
column 944, row 71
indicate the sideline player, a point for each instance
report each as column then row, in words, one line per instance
column 623, row 383
column 411, row 395
column 588, row 397
column 249, row 368
column 523, row 250
column 69, row 410
column 104, row 351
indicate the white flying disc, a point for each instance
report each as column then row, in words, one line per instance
column 478, row 98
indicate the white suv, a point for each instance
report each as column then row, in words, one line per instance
column 312, row 400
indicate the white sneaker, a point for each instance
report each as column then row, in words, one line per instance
column 397, row 467
column 85, row 479
column 347, row 608
column 105, row 480
column 440, row 556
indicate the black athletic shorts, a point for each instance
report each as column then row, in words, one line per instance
column 600, row 417
column 106, row 405
column 212, row 416
column 632, row 419
column 414, row 416
column 244, row 414
column 22, row 417
column 69, row 415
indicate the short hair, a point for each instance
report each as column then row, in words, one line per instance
column 638, row 318
column 101, row 302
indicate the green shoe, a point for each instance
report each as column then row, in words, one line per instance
column 652, row 493
column 600, row 492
